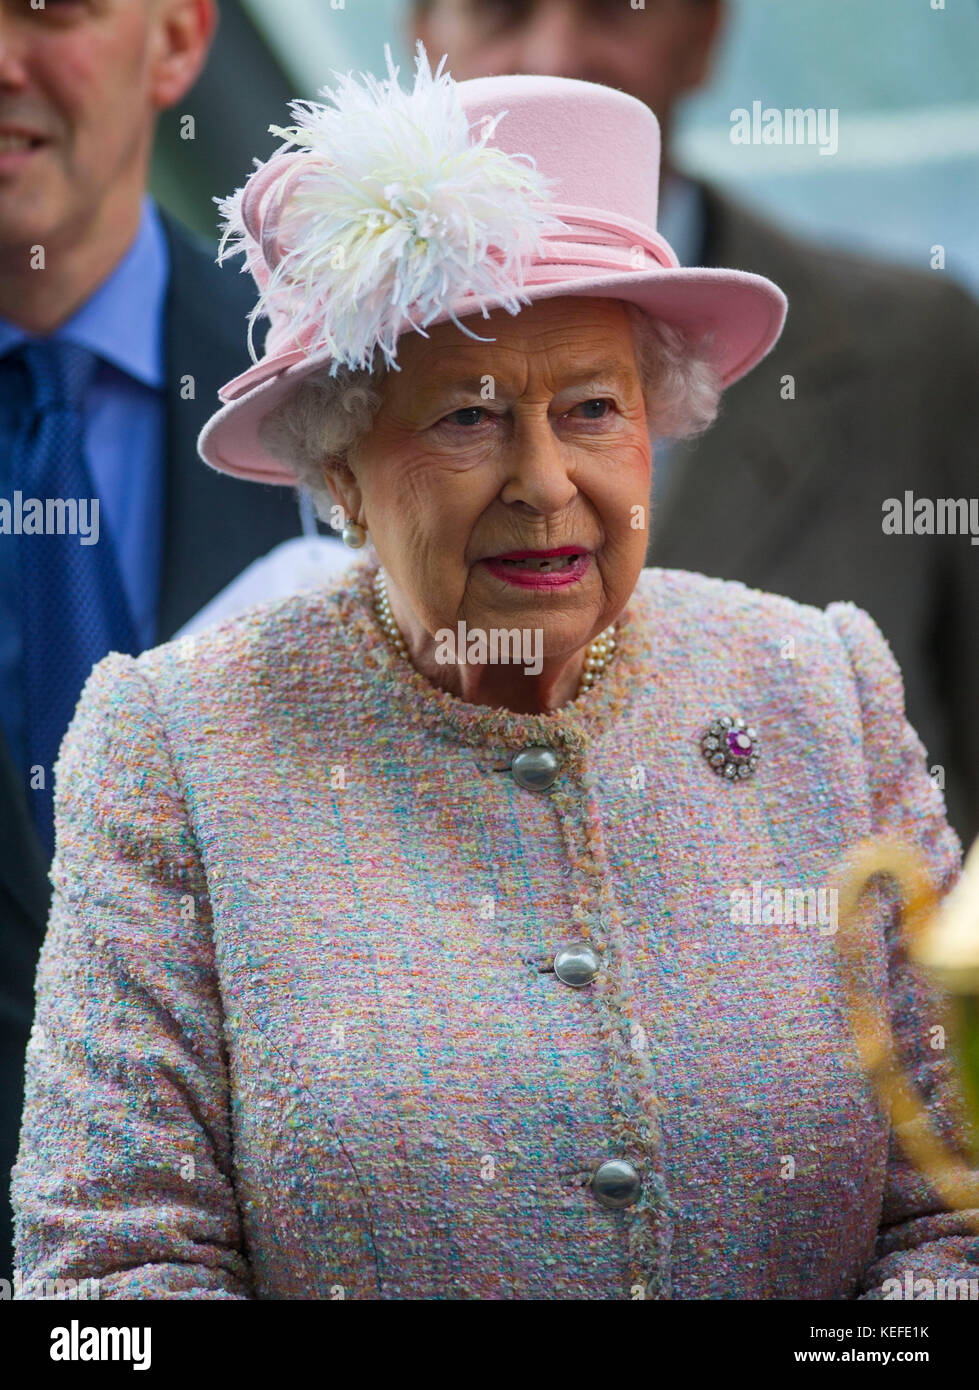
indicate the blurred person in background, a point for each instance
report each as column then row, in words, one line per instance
column 116, row 328
column 787, row 495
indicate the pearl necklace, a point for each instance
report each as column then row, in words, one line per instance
column 597, row 656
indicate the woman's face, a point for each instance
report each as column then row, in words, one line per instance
column 535, row 442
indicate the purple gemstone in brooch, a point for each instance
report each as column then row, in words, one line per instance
column 731, row 748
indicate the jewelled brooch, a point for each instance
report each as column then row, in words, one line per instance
column 730, row 747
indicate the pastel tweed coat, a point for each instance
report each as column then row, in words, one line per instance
column 298, row 1032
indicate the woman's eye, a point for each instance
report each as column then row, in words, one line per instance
column 468, row 416
column 596, row 409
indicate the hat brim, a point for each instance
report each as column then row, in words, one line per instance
column 739, row 314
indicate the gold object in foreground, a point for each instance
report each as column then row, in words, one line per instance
column 943, row 940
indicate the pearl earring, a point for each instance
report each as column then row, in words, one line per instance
column 353, row 535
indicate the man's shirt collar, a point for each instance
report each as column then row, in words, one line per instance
column 122, row 322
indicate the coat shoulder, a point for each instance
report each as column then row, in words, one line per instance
column 686, row 597
column 266, row 637
column 709, row 623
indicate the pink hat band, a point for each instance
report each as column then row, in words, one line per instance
column 611, row 243
column 601, row 242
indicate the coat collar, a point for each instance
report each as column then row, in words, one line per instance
column 348, row 607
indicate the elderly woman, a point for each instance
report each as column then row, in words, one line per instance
column 405, row 940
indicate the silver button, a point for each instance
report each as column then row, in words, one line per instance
column 577, row 965
column 615, row 1183
column 535, row 768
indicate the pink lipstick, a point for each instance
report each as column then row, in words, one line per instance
column 540, row 569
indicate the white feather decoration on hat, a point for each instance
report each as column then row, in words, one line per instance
column 389, row 211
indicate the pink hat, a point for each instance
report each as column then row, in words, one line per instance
column 398, row 210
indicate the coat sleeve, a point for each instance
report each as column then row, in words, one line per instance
column 124, row 1172
column 916, row 1235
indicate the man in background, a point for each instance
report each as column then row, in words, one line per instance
column 116, row 330
column 786, row 491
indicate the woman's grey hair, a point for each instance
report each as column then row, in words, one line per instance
column 320, row 426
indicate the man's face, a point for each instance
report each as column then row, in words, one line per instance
column 79, row 90
column 655, row 53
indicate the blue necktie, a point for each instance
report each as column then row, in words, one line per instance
column 73, row 605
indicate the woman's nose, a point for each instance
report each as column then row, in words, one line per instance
column 538, row 468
